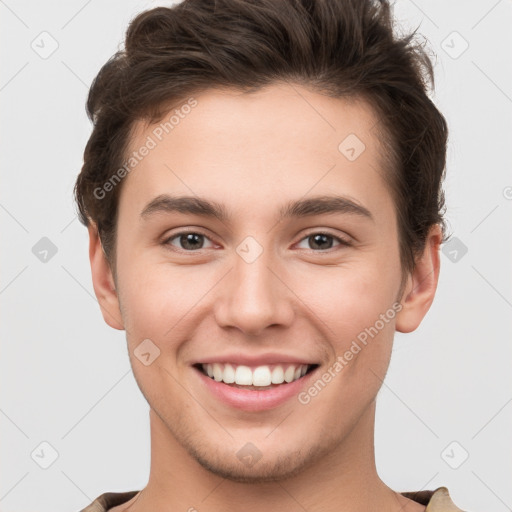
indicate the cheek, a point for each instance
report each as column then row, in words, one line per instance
column 358, row 320
column 155, row 293
column 156, row 303
column 348, row 299
column 166, row 304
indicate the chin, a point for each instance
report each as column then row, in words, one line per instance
column 269, row 468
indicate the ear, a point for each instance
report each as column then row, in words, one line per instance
column 103, row 281
column 421, row 285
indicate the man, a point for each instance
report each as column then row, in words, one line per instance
column 262, row 190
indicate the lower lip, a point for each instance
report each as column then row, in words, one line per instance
column 251, row 399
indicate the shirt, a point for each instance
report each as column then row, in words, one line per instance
column 437, row 500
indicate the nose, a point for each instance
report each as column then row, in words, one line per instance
column 254, row 296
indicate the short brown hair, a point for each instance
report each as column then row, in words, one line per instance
column 340, row 48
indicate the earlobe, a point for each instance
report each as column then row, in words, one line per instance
column 421, row 284
column 103, row 282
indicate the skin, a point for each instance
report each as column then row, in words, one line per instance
column 253, row 153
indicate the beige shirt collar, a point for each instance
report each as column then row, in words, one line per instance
column 437, row 500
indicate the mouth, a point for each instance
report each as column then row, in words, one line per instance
column 254, row 388
column 258, row 378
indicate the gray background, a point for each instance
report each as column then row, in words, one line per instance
column 65, row 377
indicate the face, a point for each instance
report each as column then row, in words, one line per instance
column 254, row 288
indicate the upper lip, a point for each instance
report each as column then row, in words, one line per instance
column 259, row 360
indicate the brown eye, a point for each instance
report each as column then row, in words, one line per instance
column 188, row 241
column 323, row 241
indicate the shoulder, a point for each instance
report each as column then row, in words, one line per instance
column 437, row 500
column 108, row 500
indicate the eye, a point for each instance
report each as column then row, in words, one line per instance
column 190, row 240
column 324, row 241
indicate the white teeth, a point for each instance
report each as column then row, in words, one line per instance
column 289, row 373
column 261, row 376
column 217, row 372
column 229, row 374
column 243, row 376
column 277, row 375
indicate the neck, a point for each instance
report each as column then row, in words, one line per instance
column 345, row 479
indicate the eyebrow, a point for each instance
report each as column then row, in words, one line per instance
column 318, row 205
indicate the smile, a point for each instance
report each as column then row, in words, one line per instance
column 254, row 388
column 260, row 377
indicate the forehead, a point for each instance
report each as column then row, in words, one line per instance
column 283, row 141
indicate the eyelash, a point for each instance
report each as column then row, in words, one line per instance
column 342, row 241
